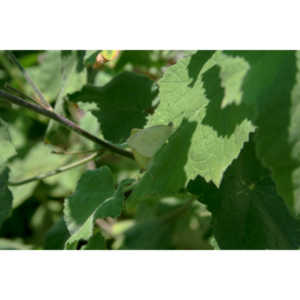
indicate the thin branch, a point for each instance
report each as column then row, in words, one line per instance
column 56, row 171
column 41, row 100
column 19, row 93
column 65, row 122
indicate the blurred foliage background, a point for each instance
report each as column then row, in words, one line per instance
column 36, row 221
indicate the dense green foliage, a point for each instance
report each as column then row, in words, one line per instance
column 227, row 177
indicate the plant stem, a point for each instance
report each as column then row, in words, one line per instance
column 41, row 100
column 65, row 122
column 57, row 171
column 19, row 93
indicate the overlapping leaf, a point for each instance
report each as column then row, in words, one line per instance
column 247, row 211
column 120, row 105
column 208, row 138
column 272, row 88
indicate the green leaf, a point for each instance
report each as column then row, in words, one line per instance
column 7, row 149
column 94, row 198
column 6, row 197
column 192, row 90
column 247, row 211
column 93, row 188
column 120, row 105
column 272, row 88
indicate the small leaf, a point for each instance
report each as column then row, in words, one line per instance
column 94, row 198
column 93, row 188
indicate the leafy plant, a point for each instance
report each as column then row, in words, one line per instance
column 150, row 150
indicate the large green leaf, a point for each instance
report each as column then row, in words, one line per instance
column 7, row 149
column 272, row 88
column 120, row 105
column 5, row 195
column 247, row 211
column 94, row 198
column 192, row 89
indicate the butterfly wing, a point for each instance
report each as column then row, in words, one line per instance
column 149, row 140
